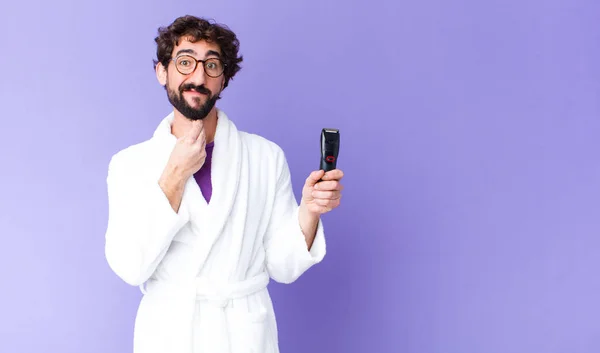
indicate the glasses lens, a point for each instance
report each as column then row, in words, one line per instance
column 213, row 67
column 185, row 64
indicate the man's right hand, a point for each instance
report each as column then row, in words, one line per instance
column 187, row 158
column 189, row 153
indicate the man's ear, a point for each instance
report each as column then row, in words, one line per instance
column 161, row 74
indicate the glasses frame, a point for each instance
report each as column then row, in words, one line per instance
column 196, row 61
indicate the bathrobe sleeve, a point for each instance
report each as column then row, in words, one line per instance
column 287, row 255
column 141, row 221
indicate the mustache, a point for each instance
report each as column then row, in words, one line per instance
column 200, row 89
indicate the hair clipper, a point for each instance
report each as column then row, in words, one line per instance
column 330, row 146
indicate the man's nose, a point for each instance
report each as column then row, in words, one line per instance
column 198, row 77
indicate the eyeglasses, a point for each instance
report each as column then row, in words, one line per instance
column 186, row 64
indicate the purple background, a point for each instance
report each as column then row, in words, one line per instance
column 471, row 216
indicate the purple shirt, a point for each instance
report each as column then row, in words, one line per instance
column 203, row 175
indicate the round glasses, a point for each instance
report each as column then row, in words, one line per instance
column 187, row 64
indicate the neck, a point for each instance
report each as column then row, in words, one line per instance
column 181, row 125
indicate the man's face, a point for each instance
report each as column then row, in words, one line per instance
column 193, row 94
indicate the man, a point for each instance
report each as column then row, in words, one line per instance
column 202, row 216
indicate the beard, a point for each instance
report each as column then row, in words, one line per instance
column 178, row 101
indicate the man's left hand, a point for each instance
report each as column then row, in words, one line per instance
column 322, row 196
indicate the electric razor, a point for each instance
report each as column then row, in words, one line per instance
column 330, row 147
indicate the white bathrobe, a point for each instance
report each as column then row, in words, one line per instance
column 204, row 270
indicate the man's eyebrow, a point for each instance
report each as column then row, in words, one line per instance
column 185, row 51
column 191, row 51
column 214, row 53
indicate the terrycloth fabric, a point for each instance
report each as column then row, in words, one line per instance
column 207, row 266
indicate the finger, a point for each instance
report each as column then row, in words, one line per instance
column 314, row 177
column 195, row 129
column 333, row 204
column 201, row 139
column 329, row 195
column 329, row 186
column 327, row 204
column 322, row 202
column 335, row 174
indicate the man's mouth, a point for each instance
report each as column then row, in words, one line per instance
column 192, row 90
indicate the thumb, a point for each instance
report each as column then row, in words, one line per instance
column 314, row 177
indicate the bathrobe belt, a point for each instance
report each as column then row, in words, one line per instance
column 216, row 293
column 221, row 294
column 222, row 317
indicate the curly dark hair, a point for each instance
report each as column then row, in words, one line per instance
column 195, row 29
